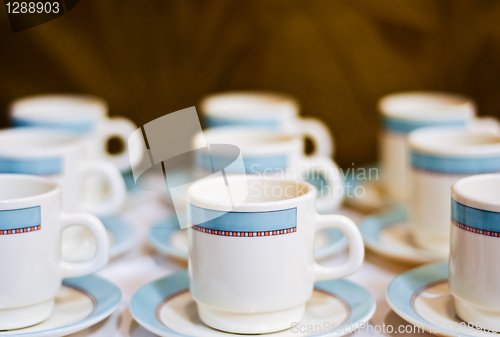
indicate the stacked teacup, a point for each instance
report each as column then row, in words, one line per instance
column 433, row 151
column 262, row 249
column 266, row 126
column 63, row 139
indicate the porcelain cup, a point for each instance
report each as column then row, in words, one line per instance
column 83, row 115
column 272, row 153
column 265, row 110
column 475, row 246
column 438, row 157
column 251, row 267
column 31, row 222
column 62, row 157
column 404, row 112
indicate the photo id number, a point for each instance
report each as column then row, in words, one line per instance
column 32, row 7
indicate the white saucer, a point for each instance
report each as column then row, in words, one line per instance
column 366, row 195
column 422, row 297
column 387, row 234
column 166, row 308
column 81, row 302
column 122, row 238
column 168, row 239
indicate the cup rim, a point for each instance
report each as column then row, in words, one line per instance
column 433, row 102
column 32, row 106
column 288, row 143
column 418, row 140
column 74, row 142
column 468, row 199
column 206, row 202
column 56, row 188
column 289, row 105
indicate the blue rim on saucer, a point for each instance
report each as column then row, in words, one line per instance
column 422, row 297
column 371, row 228
column 105, row 296
column 146, row 301
column 123, row 234
column 161, row 233
column 403, row 288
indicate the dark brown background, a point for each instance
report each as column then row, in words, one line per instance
column 149, row 58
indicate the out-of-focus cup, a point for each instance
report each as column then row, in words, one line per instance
column 83, row 115
column 62, row 157
column 272, row 154
column 404, row 112
column 265, row 110
column 438, row 157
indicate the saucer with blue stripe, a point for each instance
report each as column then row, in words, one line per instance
column 122, row 238
column 166, row 237
column 81, row 302
column 422, row 297
column 166, row 308
column 387, row 233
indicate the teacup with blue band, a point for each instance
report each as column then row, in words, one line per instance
column 438, row 158
column 31, row 223
column 251, row 266
column 475, row 247
column 263, row 110
column 82, row 115
column 61, row 157
column 402, row 113
column 22, row 220
column 269, row 153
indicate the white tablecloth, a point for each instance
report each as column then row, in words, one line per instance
column 143, row 265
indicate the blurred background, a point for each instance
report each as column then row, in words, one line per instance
column 149, row 58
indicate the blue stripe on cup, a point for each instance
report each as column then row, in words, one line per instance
column 243, row 223
column 40, row 167
column 254, row 165
column 21, row 220
column 475, row 220
column 404, row 126
column 454, row 165
column 81, row 127
column 261, row 123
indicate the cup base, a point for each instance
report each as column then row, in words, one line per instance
column 257, row 323
column 479, row 317
column 18, row 318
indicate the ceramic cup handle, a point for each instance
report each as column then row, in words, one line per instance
column 100, row 259
column 121, row 128
column 356, row 247
column 320, row 135
column 117, row 189
column 331, row 173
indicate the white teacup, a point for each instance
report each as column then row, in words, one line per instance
column 438, row 158
column 265, row 110
column 272, row 153
column 84, row 115
column 31, row 222
column 404, row 112
column 474, row 279
column 62, row 157
column 252, row 268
